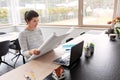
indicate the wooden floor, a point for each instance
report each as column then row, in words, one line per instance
column 5, row 68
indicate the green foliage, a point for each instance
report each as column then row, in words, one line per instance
column 61, row 10
column 117, row 30
column 91, row 45
column 88, row 46
column 22, row 11
column 3, row 13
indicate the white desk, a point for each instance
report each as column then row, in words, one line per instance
column 9, row 36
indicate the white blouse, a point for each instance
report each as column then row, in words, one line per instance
column 30, row 40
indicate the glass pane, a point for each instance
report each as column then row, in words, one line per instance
column 3, row 12
column 97, row 12
column 53, row 12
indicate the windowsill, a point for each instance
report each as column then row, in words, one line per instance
column 56, row 26
column 8, row 26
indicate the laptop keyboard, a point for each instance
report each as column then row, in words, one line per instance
column 65, row 56
column 64, row 59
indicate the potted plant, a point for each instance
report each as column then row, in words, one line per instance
column 89, row 50
column 111, row 29
column 92, row 48
column 115, row 29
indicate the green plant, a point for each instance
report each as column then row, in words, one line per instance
column 117, row 29
column 3, row 12
column 91, row 45
column 114, row 21
column 89, row 50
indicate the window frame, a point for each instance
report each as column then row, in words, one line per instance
column 15, row 15
column 95, row 26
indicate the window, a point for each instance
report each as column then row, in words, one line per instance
column 52, row 12
column 97, row 12
column 4, row 12
column 60, row 12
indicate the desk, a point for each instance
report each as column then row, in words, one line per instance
column 9, row 36
column 103, row 65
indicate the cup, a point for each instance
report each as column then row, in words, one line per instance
column 112, row 37
column 87, row 52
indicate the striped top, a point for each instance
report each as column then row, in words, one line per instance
column 30, row 40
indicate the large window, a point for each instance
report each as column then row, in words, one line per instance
column 97, row 12
column 52, row 12
column 60, row 12
column 4, row 12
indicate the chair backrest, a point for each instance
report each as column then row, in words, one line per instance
column 1, row 33
column 17, row 44
column 4, row 47
column 69, row 39
column 82, row 33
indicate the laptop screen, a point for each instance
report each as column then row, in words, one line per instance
column 76, row 52
column 68, row 59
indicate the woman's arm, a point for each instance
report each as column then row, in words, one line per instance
column 24, row 45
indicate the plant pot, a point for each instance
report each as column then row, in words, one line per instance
column 92, row 50
column 89, row 51
column 112, row 37
column 110, row 31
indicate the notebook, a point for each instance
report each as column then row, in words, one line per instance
column 69, row 59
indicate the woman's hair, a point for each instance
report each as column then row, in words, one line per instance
column 30, row 14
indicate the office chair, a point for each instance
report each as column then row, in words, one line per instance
column 16, row 46
column 82, row 33
column 4, row 48
column 1, row 33
column 69, row 39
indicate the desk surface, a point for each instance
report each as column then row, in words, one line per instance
column 103, row 65
column 9, row 36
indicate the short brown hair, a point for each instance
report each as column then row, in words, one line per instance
column 30, row 14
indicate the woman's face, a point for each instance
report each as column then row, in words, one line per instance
column 33, row 23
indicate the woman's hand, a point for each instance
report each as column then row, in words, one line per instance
column 34, row 51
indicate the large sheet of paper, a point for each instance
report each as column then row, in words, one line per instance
column 52, row 42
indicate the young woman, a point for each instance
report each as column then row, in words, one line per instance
column 31, row 38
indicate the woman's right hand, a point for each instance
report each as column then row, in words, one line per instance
column 34, row 51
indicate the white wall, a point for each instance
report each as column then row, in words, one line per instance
column 47, row 31
column 7, row 29
column 118, row 8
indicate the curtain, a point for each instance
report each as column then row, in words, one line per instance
column 118, row 8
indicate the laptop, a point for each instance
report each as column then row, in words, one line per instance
column 71, row 58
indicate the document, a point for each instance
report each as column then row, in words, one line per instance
column 52, row 42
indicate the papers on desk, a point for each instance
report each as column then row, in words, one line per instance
column 52, row 42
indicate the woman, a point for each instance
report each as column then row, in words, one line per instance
column 31, row 38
